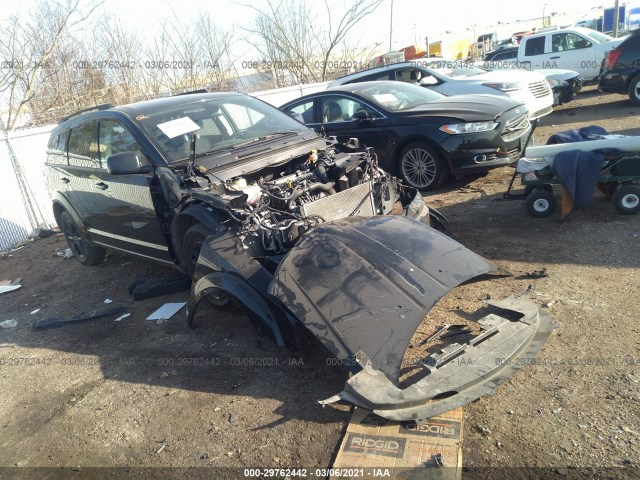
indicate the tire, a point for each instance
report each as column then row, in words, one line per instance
column 86, row 253
column 191, row 246
column 634, row 90
column 422, row 166
column 627, row 199
column 540, row 203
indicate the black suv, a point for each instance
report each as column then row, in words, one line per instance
column 621, row 69
column 155, row 178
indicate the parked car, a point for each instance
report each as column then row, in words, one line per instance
column 461, row 78
column 418, row 134
column 579, row 49
column 621, row 71
column 565, row 84
column 264, row 213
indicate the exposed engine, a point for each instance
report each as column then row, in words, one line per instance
column 280, row 206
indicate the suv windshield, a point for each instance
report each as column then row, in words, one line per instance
column 220, row 124
column 396, row 96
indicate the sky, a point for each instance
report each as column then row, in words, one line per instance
column 413, row 20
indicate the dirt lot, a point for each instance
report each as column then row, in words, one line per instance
column 137, row 394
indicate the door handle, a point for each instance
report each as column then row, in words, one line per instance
column 65, row 180
column 102, row 186
column 554, row 58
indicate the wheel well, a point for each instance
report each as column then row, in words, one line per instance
column 631, row 79
column 57, row 211
column 401, row 146
column 180, row 226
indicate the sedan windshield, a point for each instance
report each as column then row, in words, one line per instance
column 396, row 96
column 219, row 124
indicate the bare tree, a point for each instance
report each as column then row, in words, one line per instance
column 295, row 45
column 37, row 47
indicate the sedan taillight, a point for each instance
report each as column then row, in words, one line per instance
column 612, row 58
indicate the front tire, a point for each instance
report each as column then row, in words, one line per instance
column 86, row 253
column 191, row 246
column 627, row 199
column 422, row 166
column 634, row 90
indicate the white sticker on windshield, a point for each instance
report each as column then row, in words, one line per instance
column 385, row 98
column 179, row 126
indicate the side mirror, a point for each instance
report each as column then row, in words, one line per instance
column 428, row 81
column 360, row 116
column 125, row 163
column 296, row 116
column 582, row 44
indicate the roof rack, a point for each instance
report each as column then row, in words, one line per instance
column 103, row 106
column 202, row 90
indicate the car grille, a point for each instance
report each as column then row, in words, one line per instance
column 541, row 113
column 516, row 127
column 357, row 201
column 540, row 89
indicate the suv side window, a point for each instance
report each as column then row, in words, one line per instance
column 409, row 75
column 534, row 46
column 57, row 148
column 115, row 138
column 83, row 146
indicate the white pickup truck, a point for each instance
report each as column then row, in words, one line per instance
column 579, row 49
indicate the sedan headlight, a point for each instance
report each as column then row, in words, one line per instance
column 505, row 86
column 471, row 127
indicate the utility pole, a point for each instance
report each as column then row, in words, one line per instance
column 616, row 18
column 391, row 27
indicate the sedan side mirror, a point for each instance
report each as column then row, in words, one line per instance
column 582, row 44
column 125, row 163
column 360, row 116
column 428, row 81
column 296, row 116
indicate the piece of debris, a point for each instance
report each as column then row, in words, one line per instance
column 143, row 287
column 232, row 417
column 537, row 274
column 9, row 288
column 11, row 323
column 557, row 410
column 162, row 447
column 122, row 317
column 108, row 301
column 217, row 409
column 164, row 375
column 35, row 311
column 204, row 456
column 439, row 459
column 68, row 253
column 166, row 311
column 59, row 322
column 39, row 233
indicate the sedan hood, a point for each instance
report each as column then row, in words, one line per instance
column 510, row 75
column 470, row 108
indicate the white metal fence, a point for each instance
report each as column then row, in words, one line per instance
column 25, row 203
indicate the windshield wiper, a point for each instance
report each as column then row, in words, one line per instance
column 248, row 142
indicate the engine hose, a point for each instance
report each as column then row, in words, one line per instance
column 297, row 192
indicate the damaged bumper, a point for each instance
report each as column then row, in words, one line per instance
column 459, row 374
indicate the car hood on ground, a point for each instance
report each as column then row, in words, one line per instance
column 470, row 108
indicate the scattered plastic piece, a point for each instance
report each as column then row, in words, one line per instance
column 108, row 301
column 68, row 253
column 8, row 288
column 122, row 317
column 9, row 323
column 145, row 287
column 58, row 322
column 166, row 311
column 35, row 311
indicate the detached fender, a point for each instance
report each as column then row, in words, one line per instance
column 264, row 312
